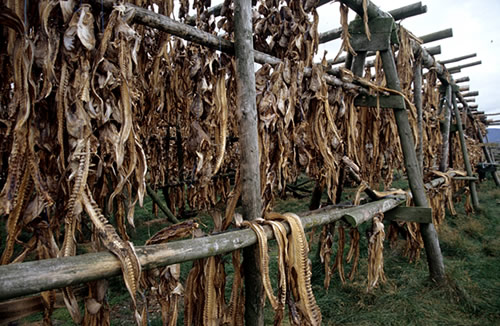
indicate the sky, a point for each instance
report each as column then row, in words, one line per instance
column 476, row 29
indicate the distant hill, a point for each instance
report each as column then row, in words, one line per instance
column 494, row 135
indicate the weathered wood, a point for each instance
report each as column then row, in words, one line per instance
column 398, row 14
column 462, row 80
column 156, row 199
column 384, row 102
column 410, row 214
column 465, row 178
column 417, row 98
column 357, row 217
column 473, row 106
column 251, row 200
column 465, row 155
column 460, row 67
column 464, row 88
column 36, row 276
column 433, row 50
column 216, row 11
column 468, row 56
column 439, row 35
column 470, row 100
column 429, row 234
column 380, row 30
column 445, row 131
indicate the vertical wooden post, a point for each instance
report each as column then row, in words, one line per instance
column 429, row 234
column 250, row 158
column 463, row 144
column 358, row 63
column 417, row 98
column 445, row 131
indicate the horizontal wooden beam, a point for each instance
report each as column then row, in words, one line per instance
column 433, row 50
column 358, row 217
column 468, row 56
column 216, row 11
column 385, row 102
column 460, row 67
column 473, row 106
column 491, row 114
column 464, row 88
column 469, row 100
column 410, row 214
column 36, row 276
column 462, row 80
column 149, row 18
column 470, row 94
column 398, row 14
column 439, row 35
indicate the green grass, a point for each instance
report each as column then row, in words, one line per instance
column 471, row 295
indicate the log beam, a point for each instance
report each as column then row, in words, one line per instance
column 470, row 94
column 468, row 56
column 460, row 67
column 398, row 14
column 436, row 36
column 32, row 277
column 462, row 79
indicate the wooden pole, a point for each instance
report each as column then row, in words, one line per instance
column 154, row 197
column 470, row 94
column 398, row 14
column 250, row 158
column 464, row 88
column 445, row 130
column 436, row 36
column 462, row 80
column 460, row 67
column 468, row 56
column 433, row 50
column 417, row 97
column 216, row 11
column 41, row 275
column 463, row 144
column 470, row 100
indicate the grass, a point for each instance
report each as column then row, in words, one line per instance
column 471, row 295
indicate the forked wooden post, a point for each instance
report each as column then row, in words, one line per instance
column 250, row 158
column 429, row 234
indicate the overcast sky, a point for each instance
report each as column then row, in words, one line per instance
column 476, row 29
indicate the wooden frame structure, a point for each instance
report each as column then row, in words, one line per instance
column 33, row 277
